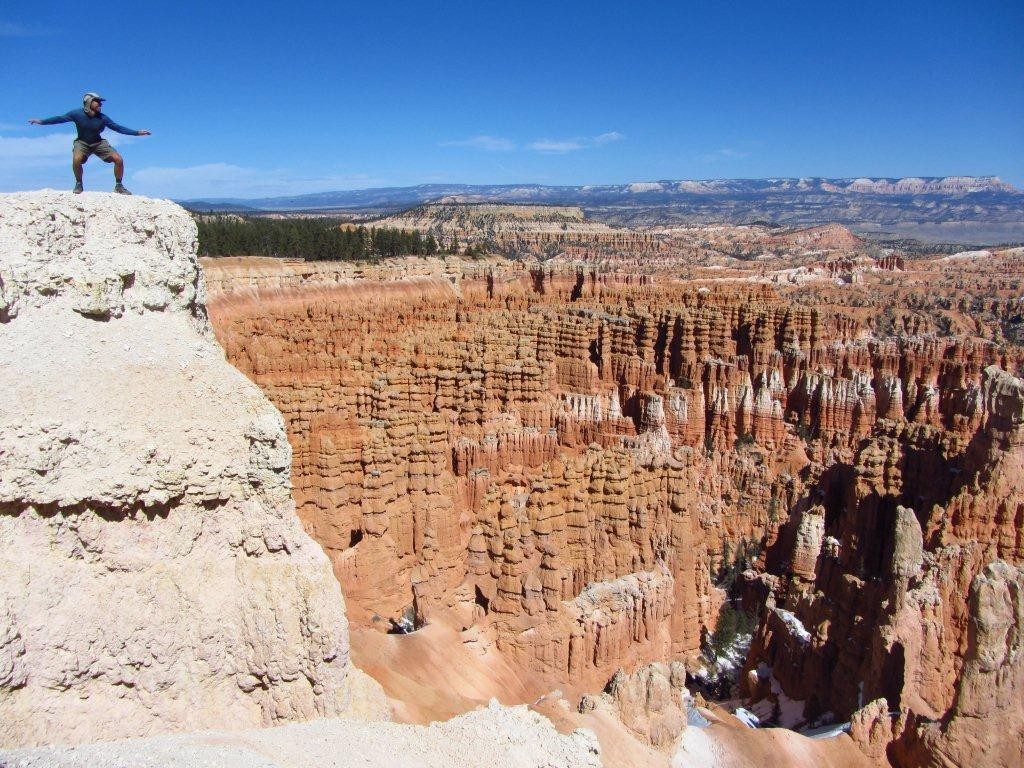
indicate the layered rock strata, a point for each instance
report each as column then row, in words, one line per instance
column 537, row 229
column 153, row 574
column 567, row 465
column 237, row 273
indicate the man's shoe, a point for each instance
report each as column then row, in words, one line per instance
column 78, row 188
column 121, row 190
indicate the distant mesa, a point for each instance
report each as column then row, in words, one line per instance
column 491, row 220
column 610, row 193
column 967, row 209
column 204, row 206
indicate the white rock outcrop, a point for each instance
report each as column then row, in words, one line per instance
column 503, row 737
column 153, row 574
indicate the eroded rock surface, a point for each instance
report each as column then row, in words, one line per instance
column 153, row 574
column 915, row 609
column 568, row 462
column 652, row 702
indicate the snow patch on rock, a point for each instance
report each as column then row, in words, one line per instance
column 794, row 625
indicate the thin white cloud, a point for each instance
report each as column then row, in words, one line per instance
column 564, row 146
column 28, row 152
column 121, row 140
column 547, row 146
column 486, row 143
column 44, row 160
column 31, row 161
column 31, row 148
column 555, row 147
column 213, row 180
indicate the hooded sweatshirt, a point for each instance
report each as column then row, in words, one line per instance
column 89, row 124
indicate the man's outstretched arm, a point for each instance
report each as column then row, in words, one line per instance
column 121, row 129
column 51, row 120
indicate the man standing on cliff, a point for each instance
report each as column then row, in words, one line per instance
column 90, row 122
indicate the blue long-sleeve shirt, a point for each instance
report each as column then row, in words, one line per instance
column 89, row 126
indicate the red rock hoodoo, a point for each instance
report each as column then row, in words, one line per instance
column 562, row 461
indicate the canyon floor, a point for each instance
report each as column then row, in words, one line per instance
column 658, row 484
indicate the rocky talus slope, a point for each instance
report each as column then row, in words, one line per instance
column 563, row 470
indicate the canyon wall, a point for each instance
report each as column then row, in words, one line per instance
column 153, row 574
column 907, row 597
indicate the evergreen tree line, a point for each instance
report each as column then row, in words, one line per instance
column 316, row 239
column 733, row 619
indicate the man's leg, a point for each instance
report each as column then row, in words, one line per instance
column 118, row 161
column 77, row 160
column 108, row 154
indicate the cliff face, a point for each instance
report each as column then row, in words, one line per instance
column 498, row 464
column 237, row 274
column 153, row 574
column 916, row 609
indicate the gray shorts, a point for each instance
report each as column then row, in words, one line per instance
column 101, row 149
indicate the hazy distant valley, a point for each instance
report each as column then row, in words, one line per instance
column 979, row 210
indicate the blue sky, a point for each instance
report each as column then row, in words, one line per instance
column 265, row 98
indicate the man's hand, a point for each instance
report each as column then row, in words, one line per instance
column 36, row 121
column 145, row 133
